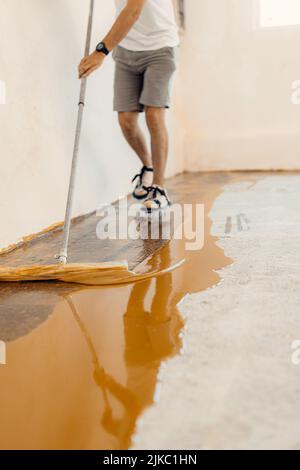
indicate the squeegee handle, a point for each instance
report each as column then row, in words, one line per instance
column 63, row 255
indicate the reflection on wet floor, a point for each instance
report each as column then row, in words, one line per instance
column 82, row 362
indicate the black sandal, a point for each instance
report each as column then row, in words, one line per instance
column 141, row 190
column 157, row 199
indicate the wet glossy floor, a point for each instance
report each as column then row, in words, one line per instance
column 82, row 362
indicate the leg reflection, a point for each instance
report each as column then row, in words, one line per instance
column 150, row 335
column 151, row 331
column 122, row 428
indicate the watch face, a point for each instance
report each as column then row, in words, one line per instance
column 100, row 47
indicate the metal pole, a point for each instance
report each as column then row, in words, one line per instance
column 63, row 254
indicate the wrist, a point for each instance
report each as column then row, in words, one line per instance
column 100, row 55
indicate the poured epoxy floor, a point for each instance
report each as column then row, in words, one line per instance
column 82, row 362
column 237, row 385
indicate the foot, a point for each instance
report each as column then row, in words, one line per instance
column 157, row 199
column 144, row 182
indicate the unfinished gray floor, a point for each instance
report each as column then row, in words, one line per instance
column 235, row 385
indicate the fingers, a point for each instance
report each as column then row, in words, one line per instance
column 83, row 71
column 88, row 72
column 83, row 66
column 89, row 64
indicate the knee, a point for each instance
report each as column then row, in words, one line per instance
column 155, row 118
column 127, row 123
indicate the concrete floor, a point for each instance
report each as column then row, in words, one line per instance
column 235, row 386
column 88, row 368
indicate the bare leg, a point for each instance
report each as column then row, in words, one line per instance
column 134, row 136
column 155, row 118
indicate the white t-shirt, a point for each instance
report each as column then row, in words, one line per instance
column 155, row 28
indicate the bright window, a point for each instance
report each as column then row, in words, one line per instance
column 279, row 13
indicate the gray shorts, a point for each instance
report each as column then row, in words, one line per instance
column 143, row 78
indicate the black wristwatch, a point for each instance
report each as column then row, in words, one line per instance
column 101, row 47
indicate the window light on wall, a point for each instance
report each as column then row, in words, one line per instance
column 274, row 13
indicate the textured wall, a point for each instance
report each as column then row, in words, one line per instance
column 232, row 104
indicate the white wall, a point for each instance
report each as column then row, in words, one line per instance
column 236, row 84
column 232, row 105
column 41, row 44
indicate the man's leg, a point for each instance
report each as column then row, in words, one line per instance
column 134, row 136
column 155, row 118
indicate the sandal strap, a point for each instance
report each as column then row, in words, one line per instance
column 141, row 174
column 156, row 190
